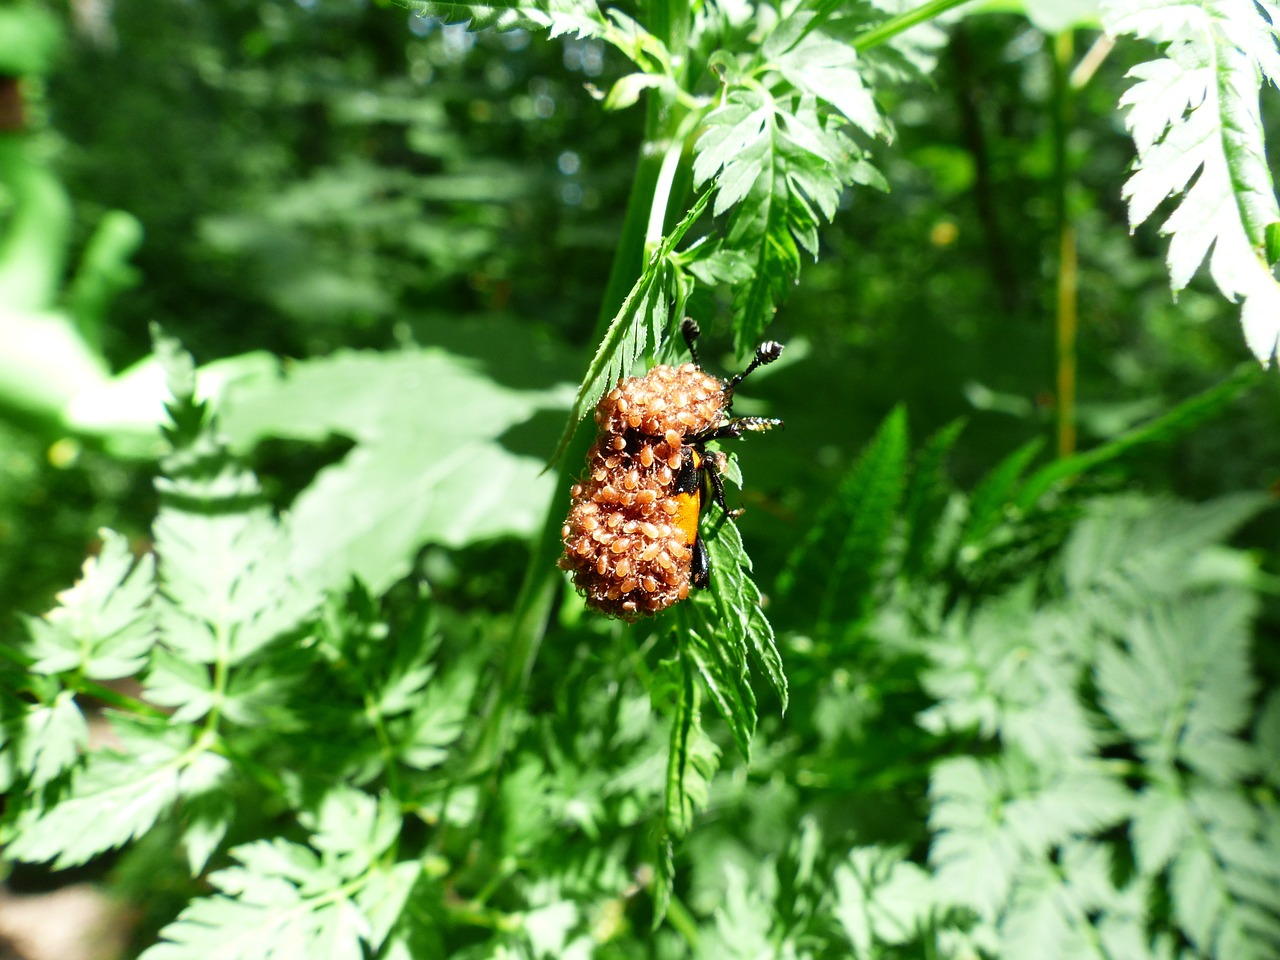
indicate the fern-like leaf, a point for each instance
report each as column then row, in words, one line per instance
column 1194, row 115
column 926, row 498
column 836, row 565
column 115, row 798
column 103, row 626
column 650, row 313
column 882, row 899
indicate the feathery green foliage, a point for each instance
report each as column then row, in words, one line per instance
column 1194, row 113
column 1025, row 715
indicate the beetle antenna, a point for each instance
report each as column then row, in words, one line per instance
column 691, row 334
column 766, row 353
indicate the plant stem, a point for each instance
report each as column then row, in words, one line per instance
column 903, row 22
column 1066, row 318
column 113, row 698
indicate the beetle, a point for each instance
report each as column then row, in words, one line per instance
column 632, row 540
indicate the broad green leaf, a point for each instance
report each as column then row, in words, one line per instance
column 103, row 626
column 1195, row 119
column 433, row 461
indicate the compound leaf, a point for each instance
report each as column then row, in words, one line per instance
column 103, row 625
column 1194, row 115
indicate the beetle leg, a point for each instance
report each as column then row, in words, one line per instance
column 700, row 565
column 691, row 333
column 716, row 483
column 735, row 428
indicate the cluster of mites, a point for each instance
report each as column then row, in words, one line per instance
column 628, row 538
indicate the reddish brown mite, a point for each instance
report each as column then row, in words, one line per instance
column 631, row 538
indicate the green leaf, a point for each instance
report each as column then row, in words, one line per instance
column 1130, row 550
column 573, row 17
column 723, row 668
column 42, row 742
column 824, row 68
column 1055, row 16
column 691, row 761
column 881, row 899
column 994, row 819
column 181, row 682
column 1004, row 671
column 965, row 818
column 456, row 483
column 1224, row 880
column 743, row 919
column 761, row 227
column 626, row 91
column 652, row 309
column 113, row 799
column 993, row 496
column 225, row 582
column 838, row 562
column 102, row 626
column 206, row 818
column 438, row 719
column 1050, row 915
column 1195, row 114
column 1181, row 687
column 351, row 829
column 281, row 901
column 1266, row 737
column 1161, row 824
column 738, row 606
column 780, row 165
column 926, row 498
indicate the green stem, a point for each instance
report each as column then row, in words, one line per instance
column 113, row 698
column 903, row 22
column 1066, row 311
column 682, row 920
column 374, row 716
